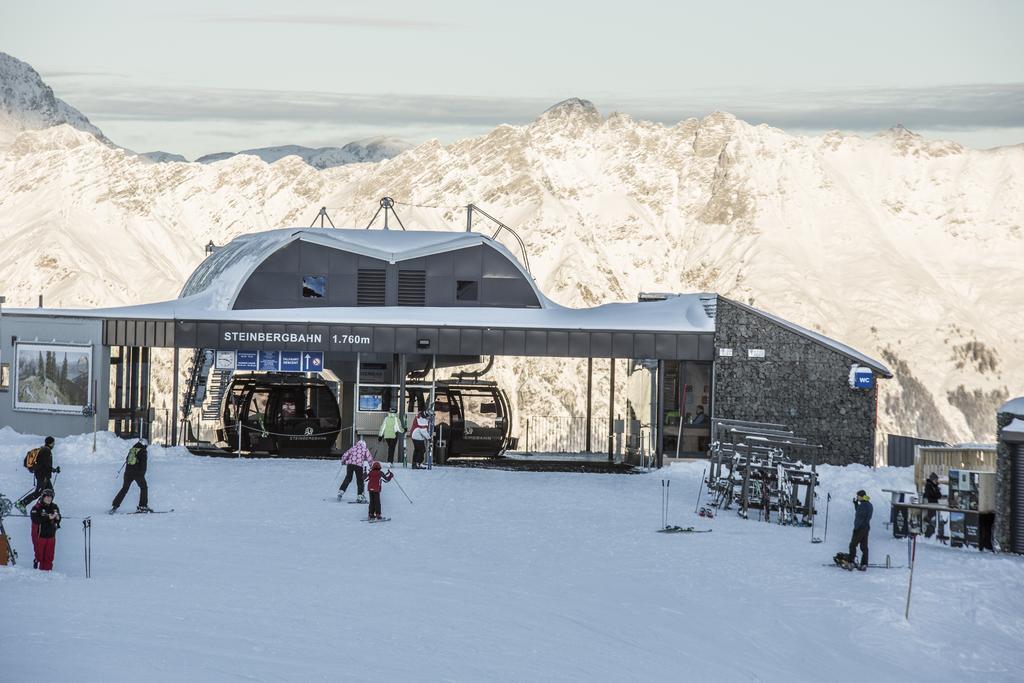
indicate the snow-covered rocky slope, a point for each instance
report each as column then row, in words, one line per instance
column 27, row 103
column 908, row 249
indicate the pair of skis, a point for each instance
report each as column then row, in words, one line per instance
column 666, row 528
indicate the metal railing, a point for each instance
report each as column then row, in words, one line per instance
column 562, row 434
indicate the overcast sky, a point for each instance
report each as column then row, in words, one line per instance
column 200, row 77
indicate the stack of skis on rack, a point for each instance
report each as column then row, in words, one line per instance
column 754, row 466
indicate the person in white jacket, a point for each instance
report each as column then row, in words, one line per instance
column 420, row 434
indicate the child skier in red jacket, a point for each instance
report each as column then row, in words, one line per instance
column 373, row 482
column 46, row 515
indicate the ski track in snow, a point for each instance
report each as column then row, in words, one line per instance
column 489, row 575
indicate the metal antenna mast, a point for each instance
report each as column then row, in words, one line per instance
column 321, row 216
column 387, row 205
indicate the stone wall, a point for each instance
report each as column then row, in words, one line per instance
column 1004, row 484
column 799, row 382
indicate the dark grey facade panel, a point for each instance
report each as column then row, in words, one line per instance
column 383, row 339
column 185, row 334
column 600, row 345
column 470, row 342
column 313, row 259
column 579, row 344
column 688, row 347
column 468, row 263
column 496, row 265
column 405, row 340
column 622, row 344
column 515, row 342
column 430, row 335
column 536, row 343
column 208, row 335
column 492, row 342
column 665, row 346
column 707, row 347
column 449, row 341
column 401, row 339
column 643, row 346
column 339, row 261
column 558, row 343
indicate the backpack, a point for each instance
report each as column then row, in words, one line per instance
column 30, row 459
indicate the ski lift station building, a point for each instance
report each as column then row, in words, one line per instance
column 376, row 308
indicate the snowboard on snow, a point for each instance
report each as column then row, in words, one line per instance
column 683, row 530
column 377, row 521
column 842, row 560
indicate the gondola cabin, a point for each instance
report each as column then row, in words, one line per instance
column 471, row 418
column 280, row 414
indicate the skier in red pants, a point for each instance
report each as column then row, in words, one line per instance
column 46, row 515
column 373, row 484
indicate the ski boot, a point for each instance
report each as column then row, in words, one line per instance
column 21, row 507
column 360, row 498
column 112, row 511
column 143, row 508
column 341, row 494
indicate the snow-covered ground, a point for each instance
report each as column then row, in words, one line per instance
column 489, row 575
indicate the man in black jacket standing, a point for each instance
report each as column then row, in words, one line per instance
column 134, row 470
column 861, row 528
column 42, row 471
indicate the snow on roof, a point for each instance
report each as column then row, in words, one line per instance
column 685, row 313
column 1015, row 406
column 1015, row 427
column 221, row 276
column 836, row 346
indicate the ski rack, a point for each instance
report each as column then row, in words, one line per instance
column 755, row 469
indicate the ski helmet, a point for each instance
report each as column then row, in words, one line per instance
column 376, row 465
column 144, row 442
column 862, row 494
column 47, row 492
column 933, row 476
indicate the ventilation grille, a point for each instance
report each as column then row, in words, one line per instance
column 370, row 287
column 412, row 288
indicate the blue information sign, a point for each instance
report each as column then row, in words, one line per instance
column 291, row 361
column 245, row 360
column 270, row 361
column 312, row 361
column 864, row 378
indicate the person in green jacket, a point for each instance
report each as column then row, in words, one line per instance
column 390, row 428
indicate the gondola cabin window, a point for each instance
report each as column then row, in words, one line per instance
column 5, row 376
column 314, row 286
column 466, row 290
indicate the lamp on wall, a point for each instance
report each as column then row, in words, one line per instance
column 423, row 343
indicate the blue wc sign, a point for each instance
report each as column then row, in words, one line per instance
column 861, row 377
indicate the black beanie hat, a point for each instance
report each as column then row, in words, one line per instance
column 48, row 440
column 861, row 493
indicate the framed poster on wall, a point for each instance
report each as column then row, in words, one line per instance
column 54, row 378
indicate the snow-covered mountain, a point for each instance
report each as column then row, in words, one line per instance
column 27, row 103
column 162, row 157
column 358, row 151
column 908, row 249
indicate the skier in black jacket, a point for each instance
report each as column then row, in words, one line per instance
column 932, row 494
column 134, row 470
column 42, row 471
column 861, row 528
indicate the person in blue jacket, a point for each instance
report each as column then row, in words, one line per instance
column 861, row 528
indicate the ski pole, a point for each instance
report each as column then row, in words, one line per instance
column 910, row 585
column 400, row 488
column 700, row 489
column 828, row 501
column 668, row 491
column 663, row 522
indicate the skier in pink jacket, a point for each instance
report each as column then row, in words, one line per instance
column 356, row 459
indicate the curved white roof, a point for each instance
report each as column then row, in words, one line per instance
column 1015, row 406
column 230, row 266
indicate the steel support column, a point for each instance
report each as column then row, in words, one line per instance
column 590, row 401
column 174, row 400
column 611, row 410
